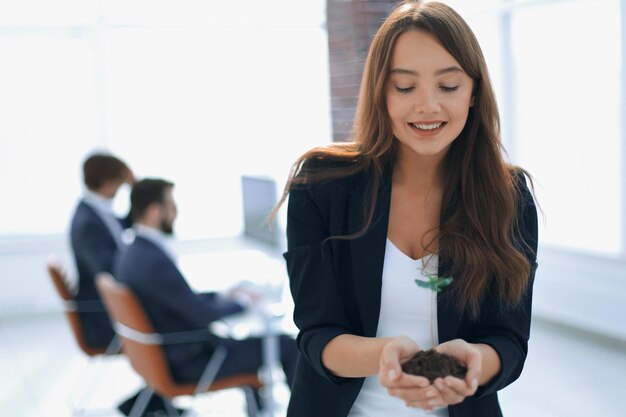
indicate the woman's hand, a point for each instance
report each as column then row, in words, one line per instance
column 454, row 390
column 415, row 391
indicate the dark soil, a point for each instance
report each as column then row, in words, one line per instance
column 433, row 365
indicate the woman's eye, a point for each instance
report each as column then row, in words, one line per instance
column 404, row 90
column 449, row 89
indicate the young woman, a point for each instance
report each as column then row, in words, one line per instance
column 422, row 188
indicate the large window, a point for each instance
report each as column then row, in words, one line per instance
column 557, row 66
column 198, row 92
column 568, row 118
column 47, row 124
column 558, row 75
column 203, row 92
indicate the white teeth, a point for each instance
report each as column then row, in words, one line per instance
column 427, row 127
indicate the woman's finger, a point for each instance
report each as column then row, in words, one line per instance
column 391, row 355
column 410, row 395
column 405, row 381
column 451, row 394
column 428, row 405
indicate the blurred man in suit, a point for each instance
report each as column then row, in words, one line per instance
column 97, row 238
column 148, row 267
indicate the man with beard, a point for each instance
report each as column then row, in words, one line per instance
column 148, row 267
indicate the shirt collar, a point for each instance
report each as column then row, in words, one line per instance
column 160, row 239
column 97, row 200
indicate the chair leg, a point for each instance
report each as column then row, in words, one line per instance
column 115, row 346
column 141, row 402
column 88, row 381
column 190, row 412
column 251, row 402
column 208, row 375
column 170, row 409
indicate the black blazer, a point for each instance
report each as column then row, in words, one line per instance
column 336, row 288
column 95, row 250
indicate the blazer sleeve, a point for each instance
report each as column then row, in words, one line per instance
column 508, row 331
column 95, row 252
column 319, row 311
column 174, row 294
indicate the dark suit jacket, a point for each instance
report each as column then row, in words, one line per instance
column 171, row 305
column 94, row 250
column 336, row 288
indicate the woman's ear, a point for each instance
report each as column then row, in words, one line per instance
column 472, row 101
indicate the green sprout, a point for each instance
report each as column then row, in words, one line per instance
column 434, row 282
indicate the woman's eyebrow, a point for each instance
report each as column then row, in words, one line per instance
column 452, row 69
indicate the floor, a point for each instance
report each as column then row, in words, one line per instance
column 44, row 372
column 568, row 373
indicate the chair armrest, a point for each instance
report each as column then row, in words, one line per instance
column 172, row 338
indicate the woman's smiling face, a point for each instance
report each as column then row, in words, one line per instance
column 428, row 95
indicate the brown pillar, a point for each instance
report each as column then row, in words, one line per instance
column 351, row 26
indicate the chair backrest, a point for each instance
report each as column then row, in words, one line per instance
column 140, row 343
column 60, row 283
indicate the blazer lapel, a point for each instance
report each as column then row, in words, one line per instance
column 448, row 318
column 368, row 252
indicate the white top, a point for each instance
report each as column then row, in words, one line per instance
column 405, row 309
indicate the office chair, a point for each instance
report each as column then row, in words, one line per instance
column 144, row 348
column 71, row 307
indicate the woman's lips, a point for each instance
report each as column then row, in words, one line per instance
column 427, row 128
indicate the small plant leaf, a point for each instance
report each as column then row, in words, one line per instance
column 423, row 284
column 434, row 283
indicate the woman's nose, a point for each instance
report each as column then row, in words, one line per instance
column 426, row 101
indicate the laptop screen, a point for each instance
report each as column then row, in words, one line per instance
column 259, row 198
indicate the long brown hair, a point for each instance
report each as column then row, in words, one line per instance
column 478, row 229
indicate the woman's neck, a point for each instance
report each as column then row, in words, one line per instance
column 417, row 172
